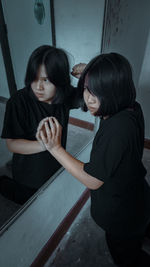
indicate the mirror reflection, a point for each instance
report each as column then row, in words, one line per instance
column 30, row 167
column 47, row 92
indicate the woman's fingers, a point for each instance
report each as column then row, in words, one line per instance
column 52, row 126
column 48, row 131
column 38, row 137
column 43, row 137
column 41, row 124
column 58, row 126
column 49, row 128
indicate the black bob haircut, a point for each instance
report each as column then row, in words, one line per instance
column 56, row 64
column 109, row 78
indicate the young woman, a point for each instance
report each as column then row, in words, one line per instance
column 47, row 92
column 115, row 175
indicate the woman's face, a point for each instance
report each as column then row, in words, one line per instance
column 91, row 101
column 42, row 87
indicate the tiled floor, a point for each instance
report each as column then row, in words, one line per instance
column 84, row 244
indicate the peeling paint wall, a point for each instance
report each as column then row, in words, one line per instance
column 127, row 28
column 126, row 31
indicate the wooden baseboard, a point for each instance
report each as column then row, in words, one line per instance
column 80, row 123
column 53, row 242
column 147, row 143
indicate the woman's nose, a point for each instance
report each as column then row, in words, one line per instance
column 90, row 99
column 39, row 85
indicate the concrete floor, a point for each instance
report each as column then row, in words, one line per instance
column 84, row 244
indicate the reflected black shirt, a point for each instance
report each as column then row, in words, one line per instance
column 119, row 205
column 22, row 116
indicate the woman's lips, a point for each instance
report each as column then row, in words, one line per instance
column 39, row 95
column 91, row 108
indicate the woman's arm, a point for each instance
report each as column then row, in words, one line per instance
column 26, row 147
column 51, row 138
column 75, row 167
column 23, row 146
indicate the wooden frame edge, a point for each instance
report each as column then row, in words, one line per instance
column 80, row 123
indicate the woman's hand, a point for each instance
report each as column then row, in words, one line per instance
column 49, row 133
column 38, row 137
column 78, row 69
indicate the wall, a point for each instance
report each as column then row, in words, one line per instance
column 127, row 32
column 79, row 31
column 24, row 33
column 127, row 29
column 3, row 79
column 144, row 88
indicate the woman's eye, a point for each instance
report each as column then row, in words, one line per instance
column 46, row 80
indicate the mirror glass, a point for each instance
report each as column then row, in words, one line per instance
column 73, row 30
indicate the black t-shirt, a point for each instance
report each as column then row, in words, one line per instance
column 23, row 114
column 118, row 206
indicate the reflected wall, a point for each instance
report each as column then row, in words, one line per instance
column 24, row 33
column 79, row 28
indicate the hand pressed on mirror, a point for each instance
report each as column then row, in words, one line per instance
column 50, row 132
column 41, row 126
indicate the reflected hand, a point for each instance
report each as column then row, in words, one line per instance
column 50, row 132
column 38, row 137
column 78, row 69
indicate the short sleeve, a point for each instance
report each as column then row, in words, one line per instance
column 14, row 121
column 106, row 155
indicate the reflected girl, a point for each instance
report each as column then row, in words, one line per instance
column 115, row 175
column 47, row 92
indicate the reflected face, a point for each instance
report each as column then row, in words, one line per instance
column 43, row 89
column 91, row 101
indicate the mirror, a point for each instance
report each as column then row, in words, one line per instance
column 73, row 33
column 126, row 30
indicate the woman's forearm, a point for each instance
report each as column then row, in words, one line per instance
column 75, row 167
column 23, row 146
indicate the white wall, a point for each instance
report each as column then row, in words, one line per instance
column 4, row 91
column 24, row 33
column 79, row 31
